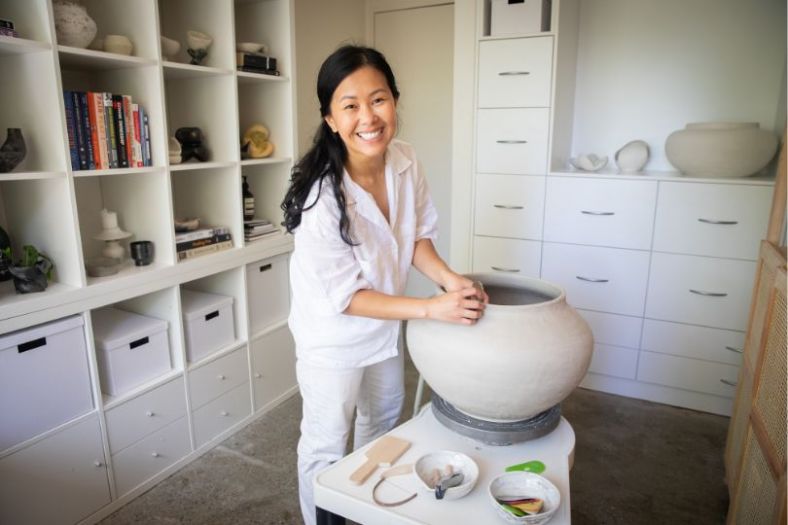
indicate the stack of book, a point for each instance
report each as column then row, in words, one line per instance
column 106, row 131
column 7, row 28
column 256, row 228
column 202, row 241
column 256, row 63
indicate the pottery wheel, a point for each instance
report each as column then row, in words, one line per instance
column 495, row 433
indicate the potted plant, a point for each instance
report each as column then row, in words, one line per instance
column 32, row 271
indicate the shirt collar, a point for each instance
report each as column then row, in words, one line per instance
column 396, row 161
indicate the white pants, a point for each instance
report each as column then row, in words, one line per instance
column 330, row 397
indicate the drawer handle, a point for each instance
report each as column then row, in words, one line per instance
column 265, row 267
column 726, row 382
column 258, row 375
column 507, row 207
column 224, row 413
column 221, row 377
column 30, row 345
column 597, row 213
column 591, row 279
column 155, row 454
column 509, row 270
column 732, row 349
column 513, row 73
column 150, row 413
column 98, row 463
column 211, row 315
column 138, row 342
column 725, row 223
column 708, row 294
column 511, row 141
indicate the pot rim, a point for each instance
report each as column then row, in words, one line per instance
column 557, row 293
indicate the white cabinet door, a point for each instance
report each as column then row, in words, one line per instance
column 273, row 366
column 600, row 212
column 512, row 141
column 268, row 292
column 719, row 220
column 60, row 479
column 516, row 72
column 509, row 205
column 507, row 256
column 700, row 342
column 700, row 290
column 221, row 414
column 690, row 374
column 603, row 279
column 612, row 329
column 217, row 377
column 614, row 361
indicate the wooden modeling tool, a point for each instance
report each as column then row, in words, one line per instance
column 383, row 453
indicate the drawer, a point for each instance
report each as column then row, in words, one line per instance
column 509, row 205
column 719, row 220
column 273, row 366
column 515, row 73
column 690, row 374
column 145, row 414
column 267, row 292
column 612, row 329
column 700, row 290
column 148, row 457
column 600, row 212
column 60, row 479
column 217, row 377
column 512, row 141
column 507, row 256
column 699, row 342
column 614, row 361
column 602, row 279
column 221, row 414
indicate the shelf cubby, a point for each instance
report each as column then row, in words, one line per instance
column 261, row 22
column 210, row 17
column 268, row 183
column 30, row 18
column 267, row 104
column 134, row 20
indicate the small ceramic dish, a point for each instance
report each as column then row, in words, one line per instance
column 588, row 162
column 169, row 47
column 187, row 225
column 429, row 468
column 521, row 485
column 251, row 47
column 119, row 44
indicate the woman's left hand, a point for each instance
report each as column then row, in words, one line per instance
column 454, row 282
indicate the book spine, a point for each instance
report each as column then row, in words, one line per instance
column 196, row 234
column 81, row 148
column 256, row 61
column 145, row 158
column 120, row 130
column 101, row 130
column 128, row 120
column 68, row 103
column 202, row 250
column 138, row 159
column 112, row 141
column 85, row 109
column 146, row 130
column 188, row 245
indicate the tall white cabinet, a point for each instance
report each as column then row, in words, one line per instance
column 660, row 265
column 94, row 451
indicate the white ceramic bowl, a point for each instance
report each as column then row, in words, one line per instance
column 427, row 464
column 524, row 485
column 169, row 47
column 197, row 40
column 119, row 44
column 251, row 47
column 588, row 162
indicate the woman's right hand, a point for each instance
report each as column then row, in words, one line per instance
column 460, row 306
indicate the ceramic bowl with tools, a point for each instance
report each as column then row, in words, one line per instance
column 524, row 497
column 447, row 474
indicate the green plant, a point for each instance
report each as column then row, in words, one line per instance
column 31, row 257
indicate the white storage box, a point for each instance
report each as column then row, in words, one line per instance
column 519, row 17
column 44, row 379
column 131, row 349
column 208, row 322
column 268, row 292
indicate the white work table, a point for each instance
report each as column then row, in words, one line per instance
column 336, row 493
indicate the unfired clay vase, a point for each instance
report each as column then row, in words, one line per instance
column 632, row 156
column 526, row 354
column 73, row 25
column 721, row 149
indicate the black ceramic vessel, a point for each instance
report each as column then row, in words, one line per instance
column 141, row 252
column 28, row 279
column 12, row 151
column 191, row 141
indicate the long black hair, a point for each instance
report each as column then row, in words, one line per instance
column 326, row 158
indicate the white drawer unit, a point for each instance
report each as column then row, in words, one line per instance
column 700, row 290
column 612, row 329
column 508, row 17
column 602, row 279
column 719, row 220
column 491, row 254
column 145, row 414
column 600, row 212
column 208, row 321
column 148, row 457
column 690, row 374
column 221, row 414
column 614, row 361
column 509, row 205
column 512, row 141
column 515, row 72
column 273, row 366
column 268, row 292
column 58, row 480
column 700, row 342
column 131, row 349
column 44, row 379
column 217, row 377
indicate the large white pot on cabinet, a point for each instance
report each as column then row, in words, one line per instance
column 527, row 354
column 721, row 149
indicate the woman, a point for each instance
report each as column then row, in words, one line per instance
column 361, row 214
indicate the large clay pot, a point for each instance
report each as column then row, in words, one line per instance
column 529, row 351
column 721, row 149
column 73, row 25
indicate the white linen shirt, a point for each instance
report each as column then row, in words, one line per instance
column 325, row 271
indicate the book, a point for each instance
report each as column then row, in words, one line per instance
column 120, row 130
column 250, row 69
column 203, row 250
column 68, row 103
column 201, row 233
column 196, row 243
column 146, row 133
column 109, row 123
column 93, row 128
column 85, row 124
column 78, row 127
column 256, row 61
column 128, row 120
column 135, row 111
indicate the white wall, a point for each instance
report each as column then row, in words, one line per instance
column 320, row 26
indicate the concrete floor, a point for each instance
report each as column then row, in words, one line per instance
column 636, row 462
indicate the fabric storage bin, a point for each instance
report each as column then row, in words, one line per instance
column 44, row 379
column 208, row 322
column 518, row 17
column 132, row 349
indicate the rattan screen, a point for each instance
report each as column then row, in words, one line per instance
column 738, row 428
column 757, row 488
column 755, row 331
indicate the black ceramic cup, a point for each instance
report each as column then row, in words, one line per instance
column 141, row 252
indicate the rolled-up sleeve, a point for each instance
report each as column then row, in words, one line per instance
column 426, row 214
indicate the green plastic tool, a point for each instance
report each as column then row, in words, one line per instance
column 537, row 467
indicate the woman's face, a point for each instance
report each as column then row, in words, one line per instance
column 364, row 113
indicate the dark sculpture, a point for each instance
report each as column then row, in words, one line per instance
column 191, row 144
column 12, row 151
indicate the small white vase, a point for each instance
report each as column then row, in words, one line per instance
column 632, row 156
column 73, row 25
